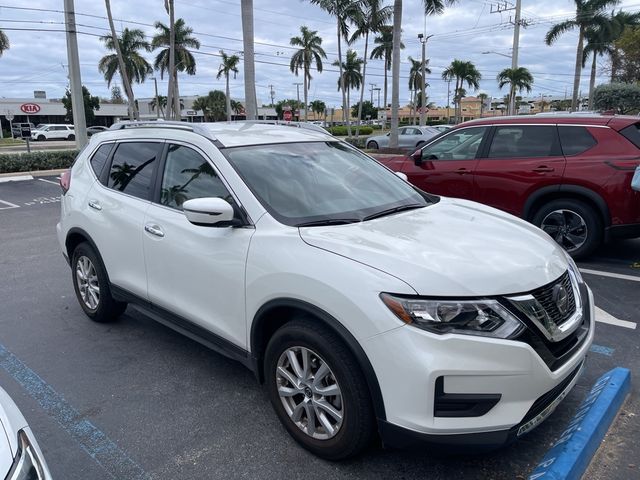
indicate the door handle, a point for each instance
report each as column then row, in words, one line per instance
column 95, row 205
column 462, row 171
column 543, row 169
column 154, row 230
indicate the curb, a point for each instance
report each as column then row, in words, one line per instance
column 570, row 456
column 34, row 173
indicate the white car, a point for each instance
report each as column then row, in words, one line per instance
column 411, row 137
column 20, row 455
column 54, row 132
column 366, row 306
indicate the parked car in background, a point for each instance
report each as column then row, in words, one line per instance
column 54, row 132
column 16, row 128
column 569, row 175
column 366, row 306
column 96, row 129
column 443, row 128
column 408, row 137
column 20, row 455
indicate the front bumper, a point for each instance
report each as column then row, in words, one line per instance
column 408, row 363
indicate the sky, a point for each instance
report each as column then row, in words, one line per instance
column 37, row 59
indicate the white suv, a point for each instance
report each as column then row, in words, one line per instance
column 54, row 132
column 364, row 304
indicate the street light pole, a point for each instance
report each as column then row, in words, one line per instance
column 155, row 83
column 514, row 57
column 423, row 41
column 75, row 81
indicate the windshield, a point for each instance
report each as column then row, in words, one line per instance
column 321, row 183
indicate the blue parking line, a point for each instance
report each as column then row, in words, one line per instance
column 603, row 350
column 92, row 440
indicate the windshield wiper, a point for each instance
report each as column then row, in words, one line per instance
column 389, row 211
column 329, row 221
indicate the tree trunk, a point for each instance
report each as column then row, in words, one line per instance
column 512, row 98
column 395, row 72
column 171, row 88
column 228, row 99
column 345, row 114
column 576, row 75
column 592, row 81
column 364, row 79
column 386, row 74
column 250, row 101
column 176, row 98
column 121, row 66
column 306, row 92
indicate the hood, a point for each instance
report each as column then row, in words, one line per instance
column 451, row 248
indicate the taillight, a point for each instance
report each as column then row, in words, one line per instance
column 65, row 181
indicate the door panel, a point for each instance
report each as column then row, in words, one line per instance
column 520, row 160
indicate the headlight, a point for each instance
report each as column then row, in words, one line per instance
column 486, row 318
column 26, row 465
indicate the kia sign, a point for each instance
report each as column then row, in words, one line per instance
column 30, row 108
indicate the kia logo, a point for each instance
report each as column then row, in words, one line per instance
column 30, row 108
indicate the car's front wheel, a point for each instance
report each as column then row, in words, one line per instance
column 91, row 285
column 573, row 224
column 318, row 390
column 41, row 138
column 372, row 145
column 71, row 137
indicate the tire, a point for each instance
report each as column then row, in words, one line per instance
column 372, row 145
column 71, row 137
column 41, row 138
column 354, row 432
column 570, row 222
column 89, row 275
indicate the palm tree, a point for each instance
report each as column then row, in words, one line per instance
column 415, row 81
column 213, row 106
column 431, row 7
column 370, row 17
column 229, row 65
column 184, row 60
column 4, row 42
column 588, row 14
column 311, row 52
column 318, row 107
column 518, row 79
column 600, row 42
column 121, row 64
column 384, row 50
column 251, row 106
column 135, row 65
column 483, row 98
column 161, row 104
column 463, row 72
column 236, row 107
column 343, row 10
column 351, row 74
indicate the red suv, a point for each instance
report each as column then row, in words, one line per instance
column 570, row 175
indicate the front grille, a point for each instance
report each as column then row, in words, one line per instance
column 544, row 295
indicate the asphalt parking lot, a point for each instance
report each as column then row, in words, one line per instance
column 134, row 399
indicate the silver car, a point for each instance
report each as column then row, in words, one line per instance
column 408, row 137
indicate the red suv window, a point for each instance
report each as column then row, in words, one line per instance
column 575, row 140
column 632, row 133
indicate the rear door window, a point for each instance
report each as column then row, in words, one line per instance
column 524, row 141
column 575, row 140
column 100, row 158
column 632, row 133
column 133, row 166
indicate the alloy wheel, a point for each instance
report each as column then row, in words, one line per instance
column 567, row 228
column 309, row 393
column 87, row 282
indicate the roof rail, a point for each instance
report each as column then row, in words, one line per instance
column 175, row 125
column 305, row 125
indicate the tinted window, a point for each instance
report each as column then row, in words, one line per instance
column 575, row 140
column 632, row 133
column 524, row 141
column 460, row 144
column 188, row 175
column 100, row 158
column 132, row 168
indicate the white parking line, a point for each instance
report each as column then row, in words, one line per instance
column 15, row 178
column 48, row 181
column 609, row 274
column 604, row 317
column 8, row 205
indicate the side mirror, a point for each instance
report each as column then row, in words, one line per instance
column 403, row 176
column 208, row 211
column 417, row 157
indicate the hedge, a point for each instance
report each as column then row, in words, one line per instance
column 27, row 162
column 341, row 131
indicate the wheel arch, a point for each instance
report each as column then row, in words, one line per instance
column 275, row 313
column 575, row 192
column 75, row 237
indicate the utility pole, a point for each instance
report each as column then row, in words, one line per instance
column 155, row 83
column 298, row 96
column 373, row 87
column 77, row 99
column 448, row 99
column 272, row 93
column 423, row 97
column 377, row 89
